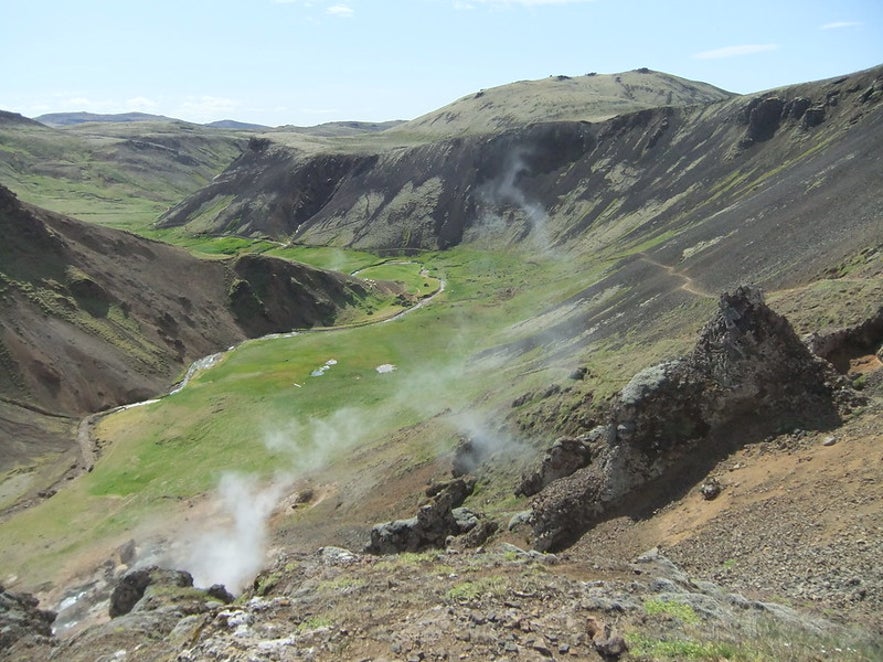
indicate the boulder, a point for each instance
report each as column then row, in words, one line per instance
column 432, row 525
column 467, row 456
column 20, row 618
column 132, row 586
column 565, row 456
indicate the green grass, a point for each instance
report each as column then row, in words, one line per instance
column 260, row 410
column 124, row 177
column 644, row 647
column 326, row 257
column 407, row 274
column 315, row 623
column 679, row 610
column 474, row 589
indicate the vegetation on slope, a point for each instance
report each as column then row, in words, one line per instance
column 122, row 175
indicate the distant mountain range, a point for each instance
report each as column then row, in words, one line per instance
column 59, row 120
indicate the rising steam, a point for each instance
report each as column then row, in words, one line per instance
column 230, row 548
column 232, row 552
column 504, row 191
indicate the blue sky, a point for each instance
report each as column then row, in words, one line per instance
column 305, row 62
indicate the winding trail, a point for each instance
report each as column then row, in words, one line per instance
column 688, row 284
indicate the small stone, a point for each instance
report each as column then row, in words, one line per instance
column 542, row 650
column 710, row 489
column 829, row 441
column 611, row 648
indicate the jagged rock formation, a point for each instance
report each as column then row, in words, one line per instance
column 564, row 457
column 20, row 618
column 442, row 517
column 749, row 375
column 132, row 586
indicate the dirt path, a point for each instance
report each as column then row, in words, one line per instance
column 88, row 447
column 688, row 284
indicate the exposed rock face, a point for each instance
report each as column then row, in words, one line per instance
column 432, row 525
column 564, row 457
column 133, row 585
column 841, row 345
column 763, row 118
column 748, row 375
column 20, row 618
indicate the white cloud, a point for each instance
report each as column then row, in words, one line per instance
column 207, row 108
column 142, row 104
column 82, row 102
column 838, row 25
column 735, row 51
column 523, row 3
column 341, row 11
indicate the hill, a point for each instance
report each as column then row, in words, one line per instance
column 94, row 318
column 638, row 412
column 119, row 174
column 590, row 98
column 645, row 174
column 239, row 126
column 56, row 120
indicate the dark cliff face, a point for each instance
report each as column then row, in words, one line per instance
column 269, row 295
column 421, row 197
column 637, row 175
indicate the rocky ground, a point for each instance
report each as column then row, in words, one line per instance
column 781, row 564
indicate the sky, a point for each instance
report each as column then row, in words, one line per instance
column 306, row 62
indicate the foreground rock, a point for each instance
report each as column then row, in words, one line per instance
column 442, row 517
column 20, row 618
column 564, row 457
column 133, row 585
column 748, row 376
column 503, row 603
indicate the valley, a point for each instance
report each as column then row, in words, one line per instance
column 545, row 263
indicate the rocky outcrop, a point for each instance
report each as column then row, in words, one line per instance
column 133, row 585
column 20, row 618
column 841, row 345
column 564, row 457
column 434, row 522
column 748, row 376
column 763, row 118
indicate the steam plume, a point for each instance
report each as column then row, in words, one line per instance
column 233, row 552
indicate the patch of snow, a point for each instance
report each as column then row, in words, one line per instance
column 321, row 370
column 385, row 368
